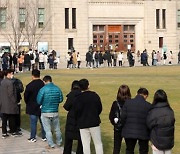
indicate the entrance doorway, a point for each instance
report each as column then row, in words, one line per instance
column 113, row 37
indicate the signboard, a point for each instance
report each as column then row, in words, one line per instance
column 43, row 46
column 129, row 47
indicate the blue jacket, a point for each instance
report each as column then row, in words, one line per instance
column 49, row 97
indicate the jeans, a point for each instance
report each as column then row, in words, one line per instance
column 86, row 135
column 49, row 121
column 130, row 145
column 33, row 123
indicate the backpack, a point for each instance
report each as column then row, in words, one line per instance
column 118, row 125
column 17, row 88
column 31, row 56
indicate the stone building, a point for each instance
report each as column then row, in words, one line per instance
column 106, row 24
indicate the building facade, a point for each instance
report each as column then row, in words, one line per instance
column 106, row 24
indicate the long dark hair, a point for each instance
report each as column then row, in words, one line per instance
column 160, row 96
column 123, row 94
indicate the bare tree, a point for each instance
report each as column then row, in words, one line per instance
column 33, row 28
column 36, row 24
column 13, row 33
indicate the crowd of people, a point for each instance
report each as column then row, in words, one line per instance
column 134, row 119
column 95, row 59
column 26, row 61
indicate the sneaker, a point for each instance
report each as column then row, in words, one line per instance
column 5, row 136
column 44, row 139
column 32, row 140
column 49, row 147
column 16, row 134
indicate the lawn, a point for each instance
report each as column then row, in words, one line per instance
column 106, row 81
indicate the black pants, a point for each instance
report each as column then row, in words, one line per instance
column 117, row 142
column 120, row 62
column 68, row 146
column 18, row 118
column 12, row 123
column 131, row 143
column 79, row 63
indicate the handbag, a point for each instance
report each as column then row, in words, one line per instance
column 118, row 125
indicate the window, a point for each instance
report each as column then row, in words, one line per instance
column 116, row 36
column 22, row 16
column 74, row 18
column 70, row 43
column 110, row 36
column 160, row 42
column 95, row 28
column 66, row 18
column 101, row 36
column 163, row 18
column 2, row 17
column 157, row 19
column 94, row 36
column 94, row 41
column 41, row 17
column 125, row 28
column 178, row 18
column 101, row 28
column 101, row 41
column 129, row 28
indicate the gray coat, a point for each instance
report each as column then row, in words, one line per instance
column 8, row 103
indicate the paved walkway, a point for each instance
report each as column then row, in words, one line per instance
column 20, row 145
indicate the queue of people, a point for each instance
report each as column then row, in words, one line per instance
column 26, row 61
column 134, row 119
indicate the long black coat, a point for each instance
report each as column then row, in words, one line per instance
column 134, row 115
column 71, row 130
column 160, row 121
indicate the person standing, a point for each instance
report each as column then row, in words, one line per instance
column 120, row 58
column 49, row 98
column 179, row 57
column 164, row 58
column 15, row 61
column 1, row 78
column 32, row 108
column 18, row 85
column 170, row 57
column 134, row 115
column 71, row 130
column 78, row 59
column 115, row 115
column 86, row 103
column 8, row 105
column 161, row 121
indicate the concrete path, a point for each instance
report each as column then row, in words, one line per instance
column 20, row 145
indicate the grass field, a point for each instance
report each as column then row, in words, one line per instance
column 106, row 81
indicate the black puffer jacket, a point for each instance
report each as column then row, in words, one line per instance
column 134, row 115
column 160, row 121
column 71, row 130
